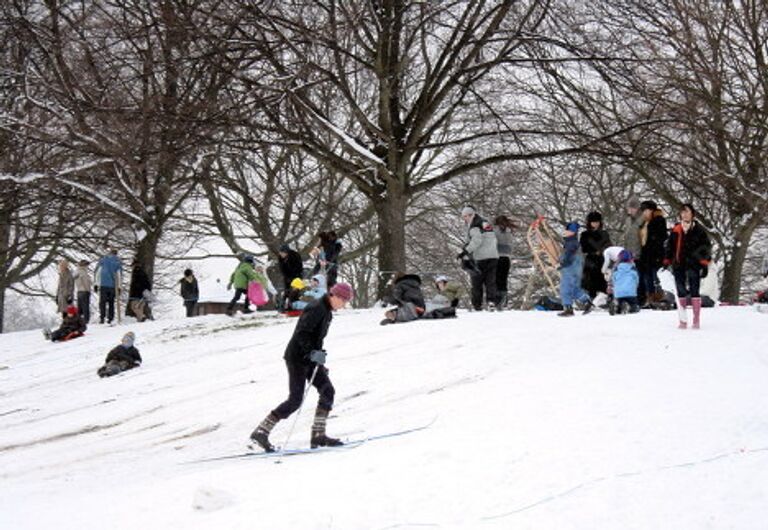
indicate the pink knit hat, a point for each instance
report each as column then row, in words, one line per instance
column 343, row 290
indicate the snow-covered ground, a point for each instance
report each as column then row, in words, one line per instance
column 593, row 422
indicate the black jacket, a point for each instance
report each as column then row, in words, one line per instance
column 189, row 290
column 652, row 253
column 139, row 283
column 122, row 354
column 70, row 324
column 291, row 266
column 310, row 331
column 688, row 251
column 408, row 289
column 594, row 242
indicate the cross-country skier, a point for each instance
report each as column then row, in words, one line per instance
column 304, row 356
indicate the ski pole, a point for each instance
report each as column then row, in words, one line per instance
column 298, row 412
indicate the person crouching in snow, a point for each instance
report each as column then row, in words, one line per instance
column 625, row 282
column 571, row 264
column 292, row 295
column 72, row 326
column 315, row 291
column 408, row 297
column 689, row 252
column 448, row 292
column 305, row 360
column 123, row 357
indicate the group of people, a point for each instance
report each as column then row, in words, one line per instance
column 591, row 264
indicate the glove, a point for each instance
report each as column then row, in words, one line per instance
column 95, row 288
column 704, row 271
column 455, row 302
column 229, row 286
column 317, row 356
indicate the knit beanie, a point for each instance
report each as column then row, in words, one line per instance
column 625, row 256
column 467, row 210
column 573, row 226
column 343, row 290
column 71, row 310
column 297, row 283
column 128, row 339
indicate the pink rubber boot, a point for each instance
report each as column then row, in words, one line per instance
column 696, row 303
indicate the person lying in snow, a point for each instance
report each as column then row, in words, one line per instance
column 123, row 357
column 407, row 296
column 449, row 292
column 72, row 326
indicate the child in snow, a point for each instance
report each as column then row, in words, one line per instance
column 407, row 295
column 190, row 292
column 449, row 292
column 571, row 264
column 315, row 291
column 123, row 357
column 688, row 252
column 305, row 360
column 295, row 290
column 72, row 326
column 244, row 274
column 625, row 282
column 83, row 286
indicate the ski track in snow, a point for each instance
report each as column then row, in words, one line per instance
column 544, row 423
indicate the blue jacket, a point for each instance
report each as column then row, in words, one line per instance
column 570, row 250
column 625, row 280
column 108, row 266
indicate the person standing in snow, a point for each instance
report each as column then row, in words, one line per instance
column 122, row 357
column 240, row 278
column 83, row 286
column 65, row 292
column 304, row 357
column 571, row 264
column 625, row 282
column 481, row 246
column 407, row 295
column 653, row 235
column 632, row 225
column 504, row 242
column 291, row 266
column 190, row 292
column 689, row 253
column 140, row 284
column 594, row 240
column 107, row 278
column 327, row 256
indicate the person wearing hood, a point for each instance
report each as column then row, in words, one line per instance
column 83, row 286
column 190, row 292
column 243, row 274
column 689, row 253
column 122, row 357
column 593, row 241
column 571, row 264
column 140, row 284
column 65, row 292
column 407, row 295
column 107, row 279
column 625, row 281
column 653, row 236
column 481, row 247
column 315, row 291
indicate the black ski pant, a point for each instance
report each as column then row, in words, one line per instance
column 106, row 304
column 190, row 305
column 298, row 375
column 238, row 293
column 688, row 282
column 502, row 273
column 84, row 305
column 592, row 279
column 485, row 279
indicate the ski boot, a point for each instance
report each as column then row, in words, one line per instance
column 588, row 307
column 567, row 312
column 260, row 436
column 319, row 438
column 696, row 303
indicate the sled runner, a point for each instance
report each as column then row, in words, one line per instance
column 546, row 254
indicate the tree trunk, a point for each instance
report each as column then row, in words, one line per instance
column 2, row 309
column 732, row 268
column 390, row 212
column 146, row 253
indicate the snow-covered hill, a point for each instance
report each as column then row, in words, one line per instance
column 593, row 422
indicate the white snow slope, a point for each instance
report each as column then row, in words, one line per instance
column 592, row 422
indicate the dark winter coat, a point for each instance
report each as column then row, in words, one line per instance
column 691, row 250
column 310, row 331
column 139, row 283
column 121, row 354
column 408, row 289
column 189, row 290
column 290, row 266
column 71, row 324
column 332, row 250
column 594, row 242
column 652, row 251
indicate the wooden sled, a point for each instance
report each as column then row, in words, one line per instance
column 545, row 248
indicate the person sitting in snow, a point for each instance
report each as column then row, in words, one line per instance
column 625, row 282
column 72, row 326
column 571, row 263
column 407, row 295
column 448, row 292
column 122, row 357
column 316, row 290
column 292, row 295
